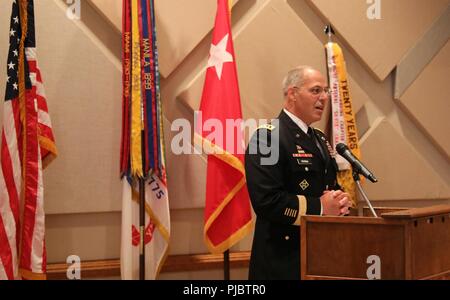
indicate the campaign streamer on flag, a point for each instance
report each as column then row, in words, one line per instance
column 142, row 148
column 343, row 117
column 227, row 207
column 27, row 146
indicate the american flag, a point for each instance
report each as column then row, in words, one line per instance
column 27, row 146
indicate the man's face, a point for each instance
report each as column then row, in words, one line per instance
column 311, row 98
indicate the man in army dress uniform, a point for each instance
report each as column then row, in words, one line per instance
column 301, row 180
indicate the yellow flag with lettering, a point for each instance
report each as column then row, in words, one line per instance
column 343, row 116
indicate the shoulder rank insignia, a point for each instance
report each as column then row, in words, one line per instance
column 319, row 130
column 267, row 126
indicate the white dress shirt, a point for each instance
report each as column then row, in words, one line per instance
column 297, row 121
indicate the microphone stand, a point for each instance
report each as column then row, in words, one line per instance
column 361, row 191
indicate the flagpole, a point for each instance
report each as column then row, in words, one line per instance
column 142, row 228
column 226, row 265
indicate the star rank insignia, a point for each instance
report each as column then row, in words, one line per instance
column 304, row 184
column 267, row 126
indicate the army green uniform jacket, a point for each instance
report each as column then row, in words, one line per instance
column 281, row 192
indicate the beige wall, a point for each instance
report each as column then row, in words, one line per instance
column 405, row 140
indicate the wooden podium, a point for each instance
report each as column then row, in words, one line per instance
column 411, row 244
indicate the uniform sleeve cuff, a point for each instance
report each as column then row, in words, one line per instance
column 302, row 205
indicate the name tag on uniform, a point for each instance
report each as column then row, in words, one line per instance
column 304, row 161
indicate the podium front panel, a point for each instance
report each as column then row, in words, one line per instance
column 346, row 248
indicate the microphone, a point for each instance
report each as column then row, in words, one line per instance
column 343, row 150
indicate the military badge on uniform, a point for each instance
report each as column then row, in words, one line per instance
column 304, row 184
column 301, row 153
column 290, row 212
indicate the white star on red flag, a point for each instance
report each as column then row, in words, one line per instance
column 218, row 55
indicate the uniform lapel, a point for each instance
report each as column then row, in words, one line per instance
column 322, row 143
column 300, row 138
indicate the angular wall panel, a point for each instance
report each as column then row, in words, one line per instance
column 419, row 56
column 403, row 173
column 381, row 43
column 111, row 10
column 427, row 100
column 181, row 25
column 83, row 84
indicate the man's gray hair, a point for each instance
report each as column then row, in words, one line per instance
column 295, row 77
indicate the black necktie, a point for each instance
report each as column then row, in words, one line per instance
column 310, row 133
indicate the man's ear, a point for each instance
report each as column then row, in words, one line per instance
column 291, row 93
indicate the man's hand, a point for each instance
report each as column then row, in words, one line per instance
column 335, row 203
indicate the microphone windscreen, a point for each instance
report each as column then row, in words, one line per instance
column 340, row 148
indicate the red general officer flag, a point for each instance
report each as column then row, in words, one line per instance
column 228, row 215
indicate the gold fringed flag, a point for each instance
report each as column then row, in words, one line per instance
column 27, row 146
column 343, row 116
column 142, row 148
column 227, row 208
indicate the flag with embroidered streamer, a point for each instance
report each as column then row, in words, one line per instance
column 142, row 148
column 343, row 116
